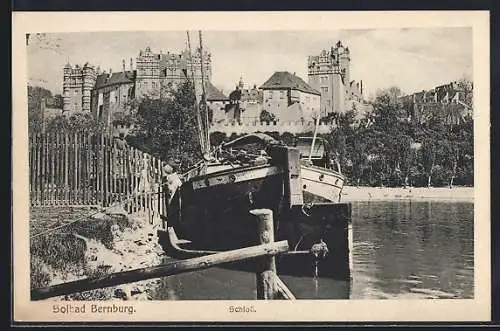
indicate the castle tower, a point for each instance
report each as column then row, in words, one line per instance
column 148, row 73
column 66, row 87
column 89, row 79
column 329, row 73
column 241, row 84
column 345, row 64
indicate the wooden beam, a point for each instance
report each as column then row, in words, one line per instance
column 168, row 269
column 266, row 286
column 283, row 291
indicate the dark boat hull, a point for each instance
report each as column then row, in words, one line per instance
column 213, row 214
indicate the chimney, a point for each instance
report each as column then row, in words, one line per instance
column 131, row 65
column 361, row 87
column 123, row 65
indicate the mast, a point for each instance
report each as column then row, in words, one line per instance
column 197, row 109
column 314, row 137
column 204, row 101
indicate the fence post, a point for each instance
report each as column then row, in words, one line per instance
column 265, row 277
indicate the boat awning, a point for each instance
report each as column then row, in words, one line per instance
column 304, row 146
column 251, row 139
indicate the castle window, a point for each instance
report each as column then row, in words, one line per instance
column 324, row 89
column 153, row 84
column 282, row 94
column 76, row 92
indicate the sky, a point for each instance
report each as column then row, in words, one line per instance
column 411, row 59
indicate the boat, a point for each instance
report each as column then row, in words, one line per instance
column 210, row 210
column 320, row 181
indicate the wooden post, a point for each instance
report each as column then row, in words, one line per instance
column 266, row 284
column 168, row 269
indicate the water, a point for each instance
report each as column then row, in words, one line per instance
column 401, row 250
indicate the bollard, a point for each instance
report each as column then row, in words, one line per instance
column 265, row 277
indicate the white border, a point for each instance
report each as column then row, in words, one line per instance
column 477, row 309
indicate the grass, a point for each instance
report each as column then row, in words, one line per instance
column 61, row 252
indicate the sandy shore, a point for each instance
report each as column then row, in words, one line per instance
column 133, row 248
column 353, row 193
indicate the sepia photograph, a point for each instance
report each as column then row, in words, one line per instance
column 312, row 167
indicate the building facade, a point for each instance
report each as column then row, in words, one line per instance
column 87, row 89
column 290, row 98
column 159, row 73
column 330, row 74
column 453, row 102
column 251, row 102
column 78, row 83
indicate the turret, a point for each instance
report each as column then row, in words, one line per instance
column 345, row 62
column 89, row 79
column 66, row 86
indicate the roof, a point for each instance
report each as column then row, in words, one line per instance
column 213, row 94
column 286, row 80
column 124, row 77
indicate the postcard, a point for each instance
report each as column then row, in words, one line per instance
column 251, row 166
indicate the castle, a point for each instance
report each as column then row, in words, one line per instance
column 87, row 89
column 329, row 88
column 330, row 74
column 453, row 101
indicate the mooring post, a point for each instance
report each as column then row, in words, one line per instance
column 265, row 277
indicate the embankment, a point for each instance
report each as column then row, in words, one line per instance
column 363, row 193
column 100, row 243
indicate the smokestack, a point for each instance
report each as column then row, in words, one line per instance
column 131, row 65
column 123, row 65
column 361, row 87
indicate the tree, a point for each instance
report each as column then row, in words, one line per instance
column 57, row 101
column 167, row 128
column 266, row 116
column 74, row 123
column 36, row 95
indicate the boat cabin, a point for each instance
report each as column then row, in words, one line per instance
column 319, row 155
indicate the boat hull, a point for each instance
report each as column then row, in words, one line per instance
column 320, row 184
column 213, row 213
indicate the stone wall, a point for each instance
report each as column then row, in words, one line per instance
column 281, row 127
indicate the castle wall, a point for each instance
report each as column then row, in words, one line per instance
column 275, row 101
column 296, row 127
column 109, row 100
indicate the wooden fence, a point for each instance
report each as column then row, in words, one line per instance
column 93, row 169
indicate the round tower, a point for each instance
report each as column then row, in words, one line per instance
column 345, row 64
column 89, row 79
column 66, row 87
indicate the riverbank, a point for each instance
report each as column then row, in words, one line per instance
column 364, row 193
column 101, row 243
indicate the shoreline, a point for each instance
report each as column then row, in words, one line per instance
column 367, row 193
column 135, row 246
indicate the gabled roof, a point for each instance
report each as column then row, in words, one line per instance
column 105, row 79
column 213, row 94
column 286, row 80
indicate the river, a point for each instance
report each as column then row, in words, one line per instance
column 401, row 250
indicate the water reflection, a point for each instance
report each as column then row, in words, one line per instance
column 401, row 249
column 413, row 249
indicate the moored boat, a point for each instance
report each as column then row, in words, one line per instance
column 211, row 208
